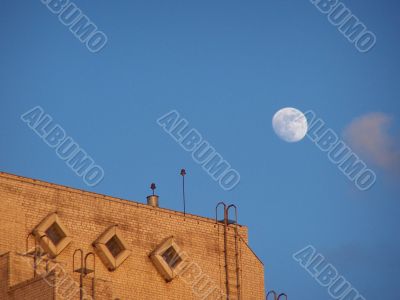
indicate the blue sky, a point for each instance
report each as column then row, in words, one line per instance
column 227, row 67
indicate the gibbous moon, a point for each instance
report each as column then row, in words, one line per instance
column 290, row 124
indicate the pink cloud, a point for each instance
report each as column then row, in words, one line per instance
column 369, row 136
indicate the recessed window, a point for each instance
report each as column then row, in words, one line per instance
column 55, row 233
column 168, row 258
column 171, row 257
column 52, row 235
column 114, row 246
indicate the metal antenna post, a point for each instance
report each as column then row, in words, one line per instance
column 183, row 173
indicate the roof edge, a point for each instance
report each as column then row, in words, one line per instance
column 103, row 196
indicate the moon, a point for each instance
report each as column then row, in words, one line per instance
column 290, row 124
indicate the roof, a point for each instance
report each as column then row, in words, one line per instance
column 102, row 196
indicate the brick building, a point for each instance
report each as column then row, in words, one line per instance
column 62, row 243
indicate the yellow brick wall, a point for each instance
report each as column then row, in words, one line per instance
column 26, row 202
column 13, row 274
column 33, row 289
column 4, row 268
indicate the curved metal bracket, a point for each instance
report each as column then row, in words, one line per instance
column 216, row 210
column 236, row 214
column 87, row 270
column 282, row 295
column 80, row 269
column 83, row 270
column 274, row 294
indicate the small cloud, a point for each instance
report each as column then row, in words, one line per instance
column 369, row 136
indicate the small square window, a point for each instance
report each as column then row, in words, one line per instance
column 114, row 246
column 171, row 257
column 168, row 258
column 52, row 235
column 55, row 233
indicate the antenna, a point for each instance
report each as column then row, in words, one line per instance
column 153, row 187
column 183, row 173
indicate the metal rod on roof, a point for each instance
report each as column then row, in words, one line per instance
column 183, row 173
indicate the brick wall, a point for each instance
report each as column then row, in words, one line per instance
column 26, row 202
column 16, row 284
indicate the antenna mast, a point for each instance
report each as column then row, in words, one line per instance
column 183, row 173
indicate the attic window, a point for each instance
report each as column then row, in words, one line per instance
column 114, row 246
column 52, row 235
column 171, row 257
column 55, row 233
column 167, row 258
